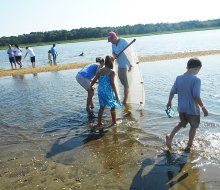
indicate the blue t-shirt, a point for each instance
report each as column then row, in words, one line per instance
column 53, row 50
column 89, row 71
column 10, row 52
column 187, row 86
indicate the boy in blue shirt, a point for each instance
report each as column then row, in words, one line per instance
column 187, row 87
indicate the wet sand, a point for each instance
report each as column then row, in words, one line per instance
column 24, row 70
column 80, row 65
column 178, row 55
column 113, row 160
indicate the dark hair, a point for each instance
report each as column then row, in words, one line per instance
column 27, row 47
column 109, row 60
column 16, row 45
column 193, row 63
column 99, row 60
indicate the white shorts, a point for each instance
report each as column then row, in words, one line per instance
column 84, row 82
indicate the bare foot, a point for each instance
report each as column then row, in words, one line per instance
column 188, row 148
column 168, row 142
column 114, row 123
column 100, row 127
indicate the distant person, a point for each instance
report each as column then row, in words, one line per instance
column 84, row 77
column 187, row 87
column 50, row 57
column 30, row 51
column 18, row 55
column 107, row 93
column 11, row 56
column 81, row 54
column 54, row 53
column 124, row 63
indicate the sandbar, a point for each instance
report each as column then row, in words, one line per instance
column 149, row 58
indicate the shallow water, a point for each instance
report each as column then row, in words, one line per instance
column 46, row 143
column 144, row 46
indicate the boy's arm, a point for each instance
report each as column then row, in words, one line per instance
column 25, row 55
column 169, row 103
column 199, row 102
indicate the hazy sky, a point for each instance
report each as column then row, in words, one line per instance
column 25, row 16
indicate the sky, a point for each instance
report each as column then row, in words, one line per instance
column 25, row 16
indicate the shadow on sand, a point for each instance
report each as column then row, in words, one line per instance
column 164, row 174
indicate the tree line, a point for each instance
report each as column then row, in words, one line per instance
column 100, row 32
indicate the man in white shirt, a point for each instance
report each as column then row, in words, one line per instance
column 32, row 55
column 124, row 64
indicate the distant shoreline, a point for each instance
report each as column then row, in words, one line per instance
column 104, row 38
column 149, row 58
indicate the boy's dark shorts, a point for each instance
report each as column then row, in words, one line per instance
column 11, row 59
column 193, row 120
column 32, row 59
column 17, row 58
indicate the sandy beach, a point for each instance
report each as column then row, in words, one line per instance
column 47, row 143
column 80, row 65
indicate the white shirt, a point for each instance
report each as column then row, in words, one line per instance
column 31, row 52
column 123, row 61
column 18, row 52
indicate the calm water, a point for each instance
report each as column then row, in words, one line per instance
column 147, row 45
column 45, row 139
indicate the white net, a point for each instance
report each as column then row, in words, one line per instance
column 135, row 80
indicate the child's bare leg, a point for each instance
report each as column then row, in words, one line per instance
column 192, row 133
column 169, row 137
column 33, row 64
column 101, row 110
column 113, row 114
column 19, row 64
column 89, row 99
column 92, row 105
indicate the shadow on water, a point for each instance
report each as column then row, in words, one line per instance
column 74, row 131
column 72, row 143
column 165, row 174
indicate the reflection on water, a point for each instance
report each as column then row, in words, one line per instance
column 47, row 142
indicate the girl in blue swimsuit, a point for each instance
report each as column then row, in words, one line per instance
column 107, row 92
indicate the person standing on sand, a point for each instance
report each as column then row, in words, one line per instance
column 187, row 87
column 30, row 51
column 11, row 56
column 107, row 92
column 54, row 53
column 18, row 55
column 124, row 63
column 84, row 78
